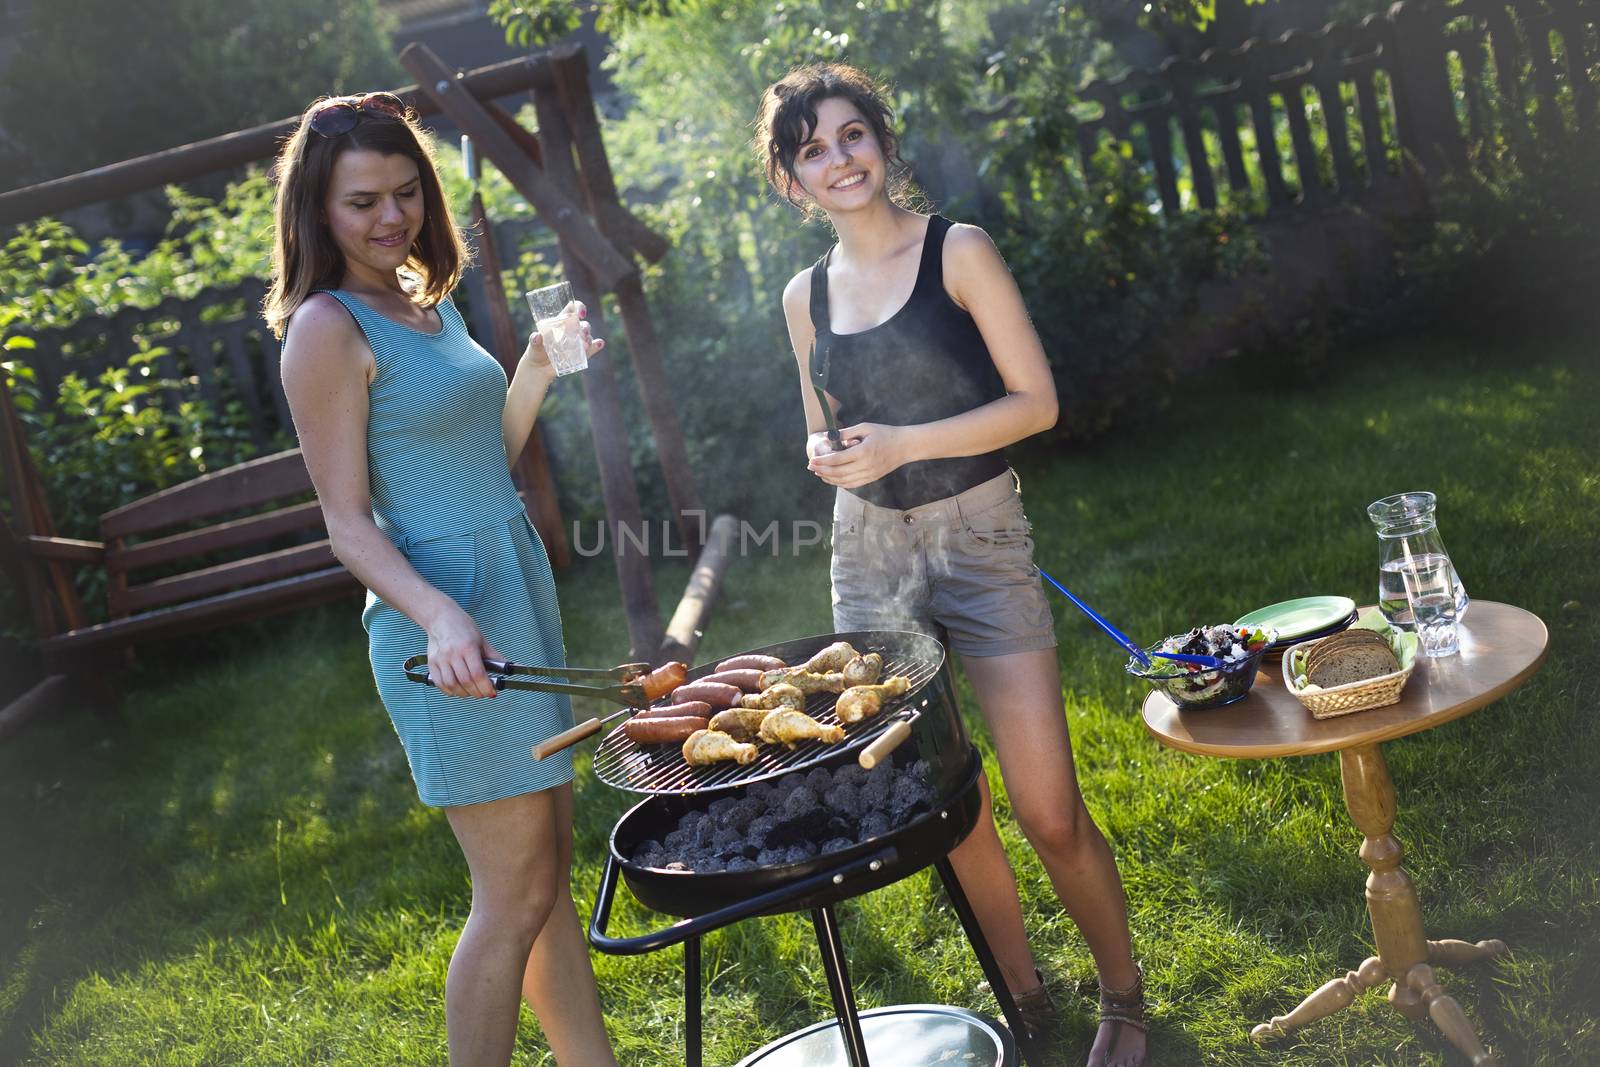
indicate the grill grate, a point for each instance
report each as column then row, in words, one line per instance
column 638, row 768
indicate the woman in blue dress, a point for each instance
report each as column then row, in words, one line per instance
column 407, row 425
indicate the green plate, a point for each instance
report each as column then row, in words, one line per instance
column 1294, row 618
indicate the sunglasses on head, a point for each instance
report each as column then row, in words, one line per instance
column 340, row 115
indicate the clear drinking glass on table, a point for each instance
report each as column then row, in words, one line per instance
column 555, row 314
column 1430, row 592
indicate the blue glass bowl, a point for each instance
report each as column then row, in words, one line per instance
column 1213, row 687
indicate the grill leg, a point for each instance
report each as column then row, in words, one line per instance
column 844, row 1001
column 691, row 1002
column 1031, row 1052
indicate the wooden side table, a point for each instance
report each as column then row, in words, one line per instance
column 1501, row 647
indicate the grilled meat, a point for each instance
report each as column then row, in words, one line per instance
column 741, row 724
column 782, row 695
column 864, row 701
column 788, row 726
column 832, row 658
column 710, row 746
column 863, row 670
column 804, row 680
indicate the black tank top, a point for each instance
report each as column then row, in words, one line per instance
column 925, row 362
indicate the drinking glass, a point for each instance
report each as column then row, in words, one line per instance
column 1430, row 591
column 555, row 314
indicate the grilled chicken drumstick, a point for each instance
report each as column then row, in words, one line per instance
column 864, row 701
column 782, row 695
column 832, row 658
column 790, row 726
column 708, row 746
column 804, row 680
column 863, row 670
column 741, row 724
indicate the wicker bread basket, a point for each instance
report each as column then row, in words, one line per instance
column 1352, row 696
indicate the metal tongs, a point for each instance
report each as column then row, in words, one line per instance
column 819, row 382
column 504, row 675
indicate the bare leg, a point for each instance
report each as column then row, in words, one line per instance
column 1020, row 695
column 981, row 864
column 512, row 847
column 558, row 983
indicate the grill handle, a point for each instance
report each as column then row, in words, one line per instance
column 886, row 742
column 684, row 929
column 567, row 738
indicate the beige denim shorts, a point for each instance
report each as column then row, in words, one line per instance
column 959, row 569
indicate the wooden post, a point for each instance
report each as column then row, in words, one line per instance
column 532, row 468
column 606, row 425
column 572, row 85
column 230, row 150
column 52, row 599
column 700, row 595
column 557, row 208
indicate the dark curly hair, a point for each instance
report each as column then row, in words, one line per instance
column 788, row 117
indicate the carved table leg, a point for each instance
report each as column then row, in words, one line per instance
column 1391, row 898
column 1325, row 1001
column 1403, row 953
column 1447, row 1015
column 1461, row 953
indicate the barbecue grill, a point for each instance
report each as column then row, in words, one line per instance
column 921, row 729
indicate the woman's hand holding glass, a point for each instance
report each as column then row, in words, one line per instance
column 538, row 357
column 871, row 451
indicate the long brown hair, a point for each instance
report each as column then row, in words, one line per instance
column 304, row 256
column 788, row 117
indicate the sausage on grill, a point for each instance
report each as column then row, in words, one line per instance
column 661, row 731
column 746, row 678
column 717, row 694
column 752, row 661
column 699, row 709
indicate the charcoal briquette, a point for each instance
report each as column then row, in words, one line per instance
column 800, row 799
column 741, row 863
column 819, row 780
column 838, row 844
column 850, row 774
column 772, row 857
column 873, row 824
column 844, row 799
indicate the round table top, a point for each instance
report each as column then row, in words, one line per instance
column 1501, row 647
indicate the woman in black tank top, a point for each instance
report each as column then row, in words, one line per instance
column 932, row 368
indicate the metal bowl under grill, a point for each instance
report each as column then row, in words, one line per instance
column 940, row 738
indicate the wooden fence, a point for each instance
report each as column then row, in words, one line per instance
column 1334, row 115
column 215, row 341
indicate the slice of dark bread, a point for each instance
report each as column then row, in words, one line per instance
column 1352, row 664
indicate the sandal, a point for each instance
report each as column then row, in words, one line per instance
column 1037, row 1010
column 1124, row 1007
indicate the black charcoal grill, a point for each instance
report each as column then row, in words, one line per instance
column 921, row 733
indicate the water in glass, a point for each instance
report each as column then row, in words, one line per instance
column 555, row 314
column 1432, row 600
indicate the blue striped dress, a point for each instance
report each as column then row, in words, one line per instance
column 442, row 492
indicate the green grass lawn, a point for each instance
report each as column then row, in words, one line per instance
column 244, row 875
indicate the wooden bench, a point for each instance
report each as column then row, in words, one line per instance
column 230, row 546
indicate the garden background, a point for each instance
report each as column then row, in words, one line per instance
column 240, row 873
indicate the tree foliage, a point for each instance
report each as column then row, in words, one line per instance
column 97, row 82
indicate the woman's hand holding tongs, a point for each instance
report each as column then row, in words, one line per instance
column 456, row 651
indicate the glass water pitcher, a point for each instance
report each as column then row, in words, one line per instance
column 1407, row 530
